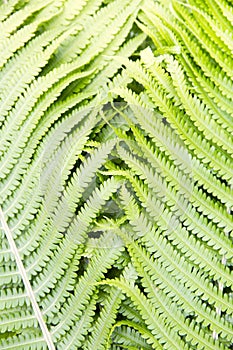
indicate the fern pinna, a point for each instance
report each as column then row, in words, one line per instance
column 116, row 174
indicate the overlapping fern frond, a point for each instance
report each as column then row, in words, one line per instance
column 178, row 163
column 116, row 174
column 54, row 62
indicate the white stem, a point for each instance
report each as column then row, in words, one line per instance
column 28, row 287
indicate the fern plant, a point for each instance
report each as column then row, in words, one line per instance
column 116, row 174
column 54, row 62
column 178, row 161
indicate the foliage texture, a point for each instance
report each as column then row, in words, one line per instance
column 116, row 163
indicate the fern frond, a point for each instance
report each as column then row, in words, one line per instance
column 28, row 288
column 168, row 223
column 161, row 281
column 165, row 335
column 102, row 326
column 209, row 86
column 197, row 111
column 205, row 37
column 183, row 126
column 7, row 9
column 51, row 196
column 180, row 207
column 160, row 247
column 18, row 39
column 158, row 131
column 83, row 290
column 127, row 334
